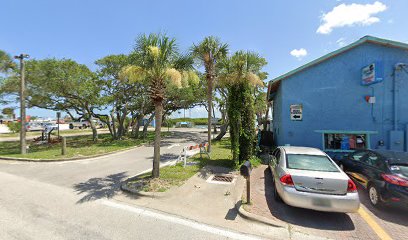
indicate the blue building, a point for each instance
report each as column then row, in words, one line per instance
column 353, row 98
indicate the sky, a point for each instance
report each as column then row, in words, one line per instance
column 288, row 33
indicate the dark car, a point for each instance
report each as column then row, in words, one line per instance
column 383, row 173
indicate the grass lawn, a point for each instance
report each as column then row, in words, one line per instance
column 176, row 175
column 76, row 146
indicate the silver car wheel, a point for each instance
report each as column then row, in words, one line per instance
column 373, row 195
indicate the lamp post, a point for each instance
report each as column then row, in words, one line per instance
column 23, row 144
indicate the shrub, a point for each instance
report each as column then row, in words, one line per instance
column 14, row 126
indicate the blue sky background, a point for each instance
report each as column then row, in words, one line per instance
column 88, row 30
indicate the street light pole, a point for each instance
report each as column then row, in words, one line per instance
column 23, row 144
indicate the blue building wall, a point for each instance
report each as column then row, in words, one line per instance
column 333, row 98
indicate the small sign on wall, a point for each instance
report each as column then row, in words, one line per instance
column 296, row 112
column 372, row 73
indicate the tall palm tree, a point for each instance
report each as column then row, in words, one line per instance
column 157, row 63
column 240, row 74
column 209, row 52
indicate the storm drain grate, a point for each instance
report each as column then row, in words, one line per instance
column 221, row 179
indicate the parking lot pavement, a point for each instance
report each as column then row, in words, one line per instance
column 394, row 220
column 376, row 224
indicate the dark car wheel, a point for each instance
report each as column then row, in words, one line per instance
column 71, row 126
column 374, row 196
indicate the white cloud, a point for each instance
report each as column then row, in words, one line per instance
column 350, row 15
column 298, row 53
column 341, row 42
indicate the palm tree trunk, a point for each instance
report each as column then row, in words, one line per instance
column 158, row 106
column 209, row 103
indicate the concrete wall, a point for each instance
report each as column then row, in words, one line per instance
column 333, row 98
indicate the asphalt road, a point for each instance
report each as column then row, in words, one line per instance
column 73, row 200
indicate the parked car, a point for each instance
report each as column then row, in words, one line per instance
column 31, row 126
column 83, row 124
column 383, row 173
column 308, row 178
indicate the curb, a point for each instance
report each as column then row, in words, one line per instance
column 70, row 159
column 125, row 188
column 256, row 218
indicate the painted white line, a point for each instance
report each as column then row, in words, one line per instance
column 173, row 145
column 177, row 220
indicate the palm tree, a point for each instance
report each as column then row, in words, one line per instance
column 240, row 74
column 209, row 52
column 157, row 63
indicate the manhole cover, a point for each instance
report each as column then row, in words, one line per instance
column 223, row 179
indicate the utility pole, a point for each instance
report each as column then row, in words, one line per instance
column 23, row 144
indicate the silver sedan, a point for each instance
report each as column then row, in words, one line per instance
column 308, row 178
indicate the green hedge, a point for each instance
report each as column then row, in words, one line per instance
column 196, row 121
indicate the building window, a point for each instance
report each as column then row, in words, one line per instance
column 345, row 141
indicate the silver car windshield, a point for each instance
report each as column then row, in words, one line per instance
column 310, row 162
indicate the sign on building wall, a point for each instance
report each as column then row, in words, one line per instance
column 372, row 73
column 296, row 112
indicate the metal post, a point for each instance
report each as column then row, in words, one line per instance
column 23, row 144
column 248, row 181
column 64, row 146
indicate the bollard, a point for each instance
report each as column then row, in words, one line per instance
column 64, row 146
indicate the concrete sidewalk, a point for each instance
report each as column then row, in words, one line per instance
column 210, row 203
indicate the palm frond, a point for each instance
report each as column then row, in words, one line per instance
column 132, row 73
column 174, row 76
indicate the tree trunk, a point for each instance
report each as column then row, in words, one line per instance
column 215, row 125
column 94, row 131
column 113, row 125
column 122, row 123
column 158, row 106
column 146, row 125
column 209, row 103
column 136, row 126
column 91, row 123
column 223, row 131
